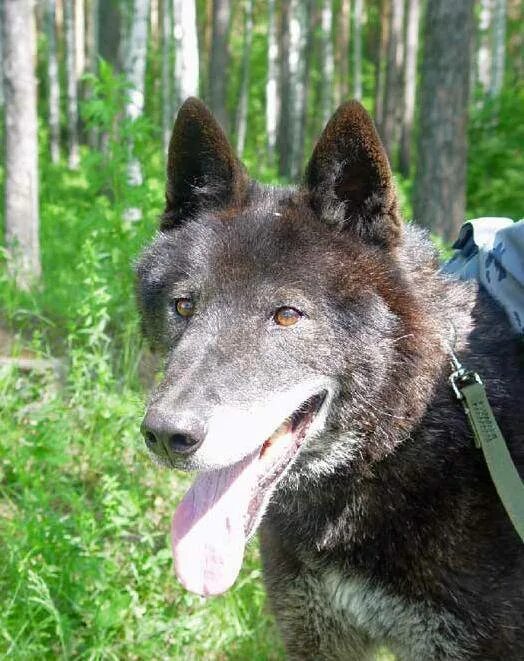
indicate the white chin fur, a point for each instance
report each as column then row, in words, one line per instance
column 234, row 433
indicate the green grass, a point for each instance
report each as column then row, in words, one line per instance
column 84, row 521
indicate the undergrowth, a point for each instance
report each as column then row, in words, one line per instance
column 86, row 570
column 84, row 522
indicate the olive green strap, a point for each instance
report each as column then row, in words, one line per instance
column 470, row 390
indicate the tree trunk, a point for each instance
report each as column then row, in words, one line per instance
column 272, row 96
column 21, row 142
column 219, row 61
column 484, row 54
column 135, row 67
column 293, row 114
column 244, row 81
column 53, row 82
column 73, row 153
column 92, row 41
column 357, row 49
column 167, row 61
column 205, row 26
column 1, row 54
column 410, row 83
column 394, row 70
column 380, row 66
column 80, row 39
column 135, row 60
column 499, row 48
column 342, row 52
column 92, row 48
column 439, row 196
column 111, row 32
column 284, row 128
column 327, row 62
column 308, row 18
column 154, row 19
column 186, row 50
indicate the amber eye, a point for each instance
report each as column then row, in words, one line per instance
column 185, row 307
column 286, row 316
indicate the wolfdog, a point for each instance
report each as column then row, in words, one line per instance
column 307, row 336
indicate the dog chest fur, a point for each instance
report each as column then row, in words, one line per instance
column 412, row 630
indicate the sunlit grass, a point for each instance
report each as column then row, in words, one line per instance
column 84, row 523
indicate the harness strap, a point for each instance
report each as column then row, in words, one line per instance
column 470, row 391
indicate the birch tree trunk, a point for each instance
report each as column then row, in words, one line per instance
column 484, row 55
column 440, row 183
column 244, row 81
column 80, row 38
column 21, row 142
column 73, row 153
column 291, row 143
column 380, row 66
column 394, row 70
column 167, row 53
column 327, row 62
column 342, row 52
column 154, row 19
column 53, row 82
column 135, row 67
column 186, row 51
column 499, row 47
column 272, row 96
column 357, row 49
column 219, row 61
column 410, row 83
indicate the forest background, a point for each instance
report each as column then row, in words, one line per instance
column 89, row 92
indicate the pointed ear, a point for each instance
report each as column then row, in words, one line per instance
column 349, row 178
column 202, row 169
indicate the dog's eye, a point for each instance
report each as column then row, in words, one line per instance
column 184, row 307
column 287, row 316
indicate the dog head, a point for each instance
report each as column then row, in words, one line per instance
column 280, row 312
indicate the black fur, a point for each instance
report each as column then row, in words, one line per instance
column 387, row 528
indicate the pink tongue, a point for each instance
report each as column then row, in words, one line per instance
column 208, row 528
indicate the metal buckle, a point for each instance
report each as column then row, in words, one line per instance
column 461, row 378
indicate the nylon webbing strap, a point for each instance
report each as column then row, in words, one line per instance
column 488, row 436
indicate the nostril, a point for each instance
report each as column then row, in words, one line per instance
column 151, row 439
column 182, row 442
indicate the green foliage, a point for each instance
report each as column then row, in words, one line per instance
column 120, row 138
column 496, row 157
column 84, row 516
column 84, row 523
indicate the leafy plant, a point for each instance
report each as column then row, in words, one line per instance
column 496, row 157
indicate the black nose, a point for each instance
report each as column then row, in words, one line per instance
column 172, row 436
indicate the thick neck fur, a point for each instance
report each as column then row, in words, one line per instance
column 418, row 489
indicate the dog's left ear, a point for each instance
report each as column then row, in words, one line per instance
column 203, row 171
column 349, row 178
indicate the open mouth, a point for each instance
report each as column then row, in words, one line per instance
column 278, row 452
column 223, row 508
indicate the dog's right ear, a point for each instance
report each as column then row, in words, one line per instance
column 202, row 169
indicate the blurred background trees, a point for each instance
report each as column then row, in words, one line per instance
column 272, row 72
